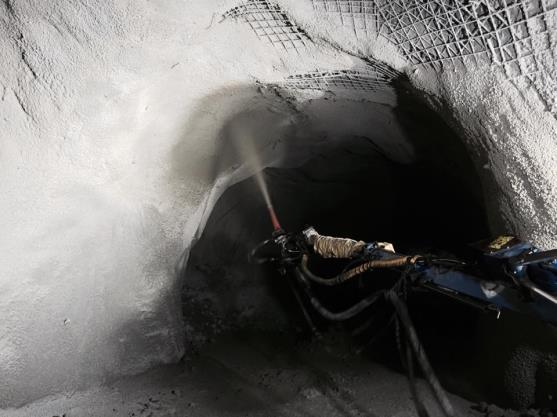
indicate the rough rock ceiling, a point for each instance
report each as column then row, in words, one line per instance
column 514, row 35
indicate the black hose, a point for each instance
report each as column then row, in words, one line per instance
column 342, row 315
column 253, row 257
column 414, row 342
column 408, row 361
column 394, row 262
column 305, row 313
column 377, row 335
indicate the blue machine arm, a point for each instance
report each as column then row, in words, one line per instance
column 507, row 274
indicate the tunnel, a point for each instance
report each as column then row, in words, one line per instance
column 134, row 136
column 352, row 187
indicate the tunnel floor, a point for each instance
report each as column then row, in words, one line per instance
column 251, row 374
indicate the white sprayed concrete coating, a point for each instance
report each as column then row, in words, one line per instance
column 110, row 115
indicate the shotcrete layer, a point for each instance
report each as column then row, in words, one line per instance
column 114, row 117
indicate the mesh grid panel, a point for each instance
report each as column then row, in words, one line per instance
column 270, row 23
column 512, row 34
column 360, row 14
column 376, row 78
column 505, row 32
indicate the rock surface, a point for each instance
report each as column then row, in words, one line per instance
column 112, row 117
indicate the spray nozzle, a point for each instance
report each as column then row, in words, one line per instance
column 274, row 219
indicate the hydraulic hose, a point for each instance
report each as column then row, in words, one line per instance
column 413, row 344
column 342, row 315
column 411, row 335
column 395, row 262
column 413, row 340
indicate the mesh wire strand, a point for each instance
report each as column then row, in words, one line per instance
column 270, row 23
column 376, row 78
column 503, row 32
column 514, row 35
column 360, row 14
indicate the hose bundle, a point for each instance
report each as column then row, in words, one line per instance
column 330, row 247
column 395, row 262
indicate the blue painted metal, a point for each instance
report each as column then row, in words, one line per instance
column 492, row 284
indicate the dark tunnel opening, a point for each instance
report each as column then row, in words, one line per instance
column 354, row 189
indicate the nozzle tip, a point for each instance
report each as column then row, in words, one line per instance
column 274, row 219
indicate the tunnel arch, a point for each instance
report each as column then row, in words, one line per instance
column 370, row 169
column 424, row 195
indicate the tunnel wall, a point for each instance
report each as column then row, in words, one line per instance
column 111, row 119
column 110, row 115
column 94, row 206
